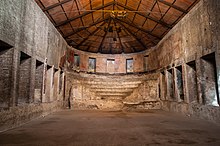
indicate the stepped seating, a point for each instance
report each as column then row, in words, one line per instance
column 112, row 89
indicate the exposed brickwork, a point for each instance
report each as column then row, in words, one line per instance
column 25, row 28
column 6, row 63
column 39, row 77
column 24, row 81
column 194, row 46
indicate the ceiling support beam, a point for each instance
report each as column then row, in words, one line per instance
column 146, row 16
column 84, row 14
column 122, row 47
column 139, row 28
column 173, row 6
column 90, row 3
column 78, row 45
column 81, row 29
column 100, row 46
column 139, row 40
column 56, row 5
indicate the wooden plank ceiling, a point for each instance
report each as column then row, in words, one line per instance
column 114, row 26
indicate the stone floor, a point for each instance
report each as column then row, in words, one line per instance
column 96, row 128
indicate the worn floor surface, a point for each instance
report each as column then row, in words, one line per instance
column 96, row 128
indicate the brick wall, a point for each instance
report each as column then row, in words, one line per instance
column 24, row 81
column 6, row 61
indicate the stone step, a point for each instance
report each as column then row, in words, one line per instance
column 113, row 83
column 112, row 86
column 112, row 94
column 111, row 90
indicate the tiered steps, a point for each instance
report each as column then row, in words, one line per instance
column 112, row 89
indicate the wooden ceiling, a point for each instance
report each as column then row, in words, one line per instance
column 90, row 25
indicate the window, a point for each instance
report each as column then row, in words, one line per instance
column 129, row 65
column 145, row 62
column 110, row 66
column 76, row 62
column 92, row 65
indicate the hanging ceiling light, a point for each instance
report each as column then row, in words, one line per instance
column 118, row 14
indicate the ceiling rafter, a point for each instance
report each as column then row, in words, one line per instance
column 137, row 10
column 50, row 17
column 66, row 15
column 155, row 2
column 122, row 47
column 84, row 14
column 90, row 3
column 163, row 16
column 139, row 28
column 78, row 45
column 173, row 6
column 77, row 6
column 195, row 1
column 103, row 15
column 144, row 15
column 139, row 40
column 81, row 29
column 56, row 5
column 100, row 46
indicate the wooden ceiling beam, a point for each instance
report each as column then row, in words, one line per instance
column 173, row 6
column 78, row 45
column 139, row 28
column 84, row 14
column 81, row 29
column 139, row 40
column 56, row 5
column 100, row 46
column 146, row 16
column 122, row 47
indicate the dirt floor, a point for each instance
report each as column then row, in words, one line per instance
column 101, row 128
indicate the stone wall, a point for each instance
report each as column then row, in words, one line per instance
column 112, row 92
column 188, row 59
column 28, row 44
column 67, row 60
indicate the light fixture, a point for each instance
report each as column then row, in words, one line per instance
column 118, row 14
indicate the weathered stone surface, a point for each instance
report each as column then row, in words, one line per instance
column 193, row 44
column 19, row 115
column 27, row 37
column 112, row 92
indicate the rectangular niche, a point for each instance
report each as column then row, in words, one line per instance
column 209, row 80
column 179, row 82
column 55, row 84
column 111, row 66
column 163, row 88
column 55, row 70
column 38, row 81
column 145, row 62
column 192, row 88
column 60, row 81
column 129, row 65
column 47, row 83
column 170, row 85
column 24, row 79
column 92, row 65
column 6, row 62
column 76, row 61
